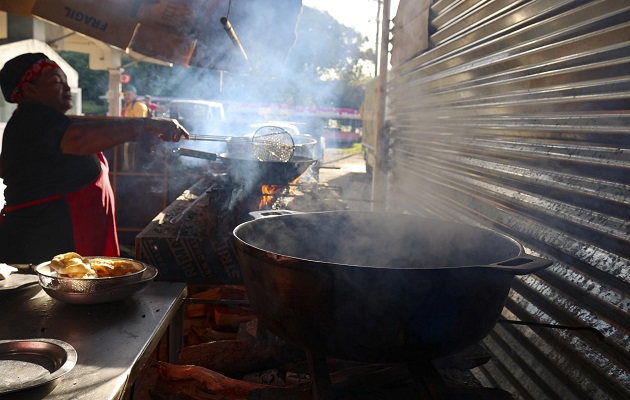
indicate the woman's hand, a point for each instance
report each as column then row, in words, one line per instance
column 167, row 129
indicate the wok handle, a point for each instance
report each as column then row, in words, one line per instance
column 183, row 151
column 522, row 265
column 272, row 213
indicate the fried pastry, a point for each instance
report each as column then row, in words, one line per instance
column 110, row 267
column 73, row 265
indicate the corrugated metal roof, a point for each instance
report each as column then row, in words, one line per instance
column 517, row 118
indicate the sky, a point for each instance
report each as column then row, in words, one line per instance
column 358, row 14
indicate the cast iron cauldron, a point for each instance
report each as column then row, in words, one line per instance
column 377, row 287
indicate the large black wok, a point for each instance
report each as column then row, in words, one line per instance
column 255, row 173
column 252, row 172
column 377, row 287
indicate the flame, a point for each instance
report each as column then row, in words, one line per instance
column 269, row 193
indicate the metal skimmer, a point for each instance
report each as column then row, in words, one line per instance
column 269, row 143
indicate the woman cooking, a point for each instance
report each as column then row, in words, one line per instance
column 58, row 195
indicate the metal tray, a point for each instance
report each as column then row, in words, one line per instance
column 30, row 363
column 109, row 294
column 17, row 281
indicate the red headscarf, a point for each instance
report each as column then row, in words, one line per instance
column 34, row 71
column 23, row 69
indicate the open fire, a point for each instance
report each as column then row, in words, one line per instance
column 191, row 240
column 271, row 193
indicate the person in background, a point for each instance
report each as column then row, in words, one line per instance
column 134, row 107
column 151, row 106
column 58, row 194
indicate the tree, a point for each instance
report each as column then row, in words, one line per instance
column 93, row 83
column 326, row 67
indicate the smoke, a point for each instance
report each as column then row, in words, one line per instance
column 265, row 30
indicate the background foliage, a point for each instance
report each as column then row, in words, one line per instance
column 327, row 67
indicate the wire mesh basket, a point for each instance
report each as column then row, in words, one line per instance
column 49, row 279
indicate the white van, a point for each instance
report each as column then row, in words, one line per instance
column 199, row 117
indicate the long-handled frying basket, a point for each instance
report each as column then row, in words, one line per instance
column 269, row 143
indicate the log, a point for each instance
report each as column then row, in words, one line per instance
column 229, row 357
column 232, row 316
column 203, row 384
column 189, row 389
column 368, row 382
column 210, row 335
column 215, row 386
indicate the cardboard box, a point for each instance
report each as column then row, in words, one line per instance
column 22, row 7
column 105, row 20
column 161, row 29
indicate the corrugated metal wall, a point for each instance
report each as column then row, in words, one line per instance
column 517, row 118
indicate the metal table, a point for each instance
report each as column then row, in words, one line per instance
column 113, row 341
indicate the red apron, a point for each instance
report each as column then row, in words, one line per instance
column 92, row 213
column 94, row 227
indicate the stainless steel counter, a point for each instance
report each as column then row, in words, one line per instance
column 113, row 341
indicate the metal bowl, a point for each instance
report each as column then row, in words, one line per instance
column 108, row 295
column 49, row 279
